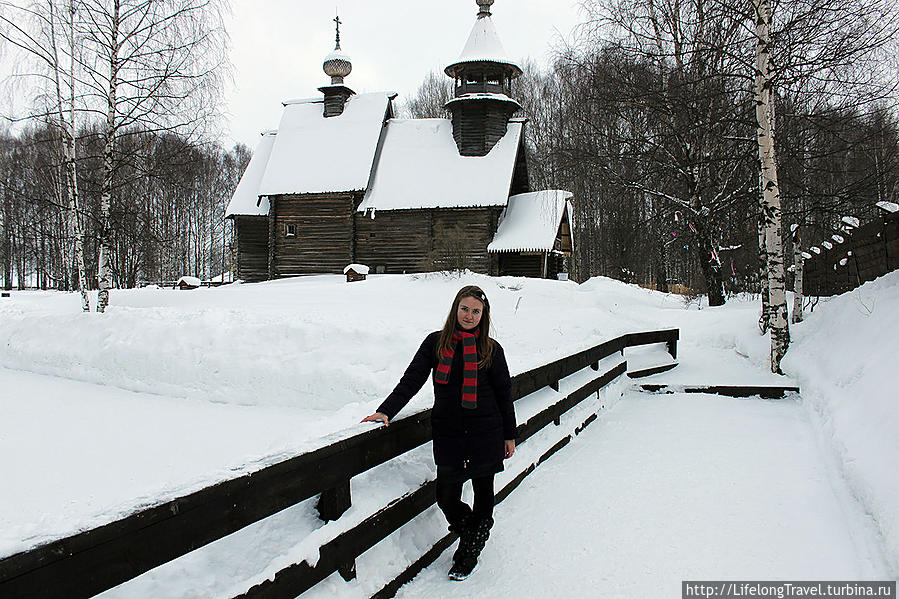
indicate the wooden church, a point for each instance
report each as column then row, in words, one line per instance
column 343, row 181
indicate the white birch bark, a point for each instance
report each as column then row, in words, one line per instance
column 75, row 230
column 764, row 319
column 770, row 209
column 104, row 274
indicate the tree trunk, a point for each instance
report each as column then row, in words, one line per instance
column 75, row 230
column 708, row 261
column 797, row 277
column 662, row 266
column 6, row 243
column 770, row 209
column 764, row 319
column 104, row 276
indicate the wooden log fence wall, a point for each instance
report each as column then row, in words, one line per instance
column 868, row 252
column 95, row 560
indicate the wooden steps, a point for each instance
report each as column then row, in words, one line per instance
column 763, row 391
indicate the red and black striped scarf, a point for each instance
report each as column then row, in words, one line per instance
column 469, row 370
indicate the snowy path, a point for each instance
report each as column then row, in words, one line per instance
column 665, row 488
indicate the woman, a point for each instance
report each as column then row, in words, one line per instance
column 472, row 422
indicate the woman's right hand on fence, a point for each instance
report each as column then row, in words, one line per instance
column 377, row 417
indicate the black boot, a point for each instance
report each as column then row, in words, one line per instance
column 471, row 542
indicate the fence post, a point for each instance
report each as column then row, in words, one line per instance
column 332, row 503
column 672, row 347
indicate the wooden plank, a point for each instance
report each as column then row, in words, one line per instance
column 430, row 556
column 556, row 410
column 646, row 338
column 763, row 391
column 651, row 371
column 298, row 578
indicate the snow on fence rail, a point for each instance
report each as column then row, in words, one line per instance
column 95, row 560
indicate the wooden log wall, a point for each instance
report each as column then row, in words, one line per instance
column 874, row 251
column 520, row 179
column 323, row 242
column 518, row 264
column 393, row 242
column 478, row 125
column 252, row 247
column 478, row 226
column 398, row 241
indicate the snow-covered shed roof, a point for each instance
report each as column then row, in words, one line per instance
column 189, row 280
column 245, row 201
column 530, row 221
column 314, row 154
column 361, row 269
column 419, row 166
column 483, row 45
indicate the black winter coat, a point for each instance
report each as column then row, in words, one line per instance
column 461, row 434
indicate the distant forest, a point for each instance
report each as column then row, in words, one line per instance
column 648, row 117
column 166, row 216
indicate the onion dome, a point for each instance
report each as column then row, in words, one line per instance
column 337, row 64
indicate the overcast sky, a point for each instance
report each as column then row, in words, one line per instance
column 277, row 47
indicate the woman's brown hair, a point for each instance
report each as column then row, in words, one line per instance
column 485, row 343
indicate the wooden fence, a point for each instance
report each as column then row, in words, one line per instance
column 95, row 560
column 868, row 252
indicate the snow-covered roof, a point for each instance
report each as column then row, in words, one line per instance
column 483, row 45
column 314, row 154
column 483, row 96
column 245, row 201
column 530, row 221
column 888, row 206
column 359, row 268
column 189, row 280
column 419, row 166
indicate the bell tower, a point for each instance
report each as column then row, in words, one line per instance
column 482, row 102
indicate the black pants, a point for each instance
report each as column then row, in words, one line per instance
column 449, row 499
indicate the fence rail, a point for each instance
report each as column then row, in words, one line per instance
column 95, row 560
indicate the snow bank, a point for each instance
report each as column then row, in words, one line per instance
column 845, row 358
column 311, row 342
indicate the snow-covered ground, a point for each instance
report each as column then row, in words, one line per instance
column 665, row 488
column 173, row 390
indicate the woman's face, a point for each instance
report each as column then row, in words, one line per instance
column 469, row 313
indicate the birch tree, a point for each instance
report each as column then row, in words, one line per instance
column 75, row 227
column 770, row 195
column 154, row 66
column 798, row 264
column 839, row 49
column 42, row 44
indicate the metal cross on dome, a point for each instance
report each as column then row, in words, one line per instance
column 337, row 23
